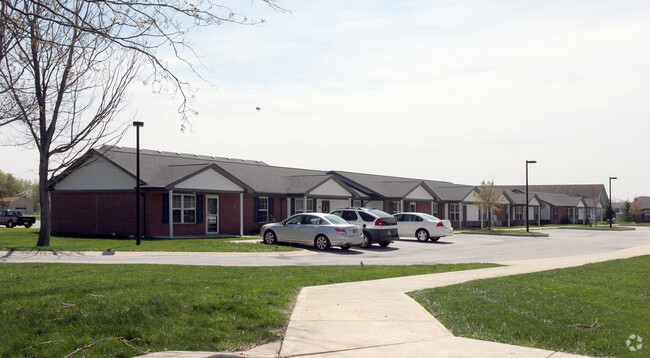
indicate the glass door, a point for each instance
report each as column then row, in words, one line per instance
column 212, row 214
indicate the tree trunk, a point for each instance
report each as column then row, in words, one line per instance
column 44, row 195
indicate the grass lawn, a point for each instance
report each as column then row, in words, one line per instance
column 25, row 240
column 53, row 309
column 589, row 310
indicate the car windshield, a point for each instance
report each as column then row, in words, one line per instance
column 335, row 220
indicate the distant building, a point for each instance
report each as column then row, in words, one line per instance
column 17, row 203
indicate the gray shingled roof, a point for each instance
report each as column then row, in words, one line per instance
column 450, row 192
column 388, row 187
column 645, row 200
column 592, row 193
column 163, row 169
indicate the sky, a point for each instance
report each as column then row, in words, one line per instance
column 459, row 91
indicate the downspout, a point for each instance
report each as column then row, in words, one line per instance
column 171, row 215
column 144, row 215
column 241, row 214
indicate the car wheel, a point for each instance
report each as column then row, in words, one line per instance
column 384, row 243
column 435, row 239
column 345, row 247
column 10, row 224
column 269, row 238
column 322, row 242
column 28, row 225
column 422, row 235
column 367, row 241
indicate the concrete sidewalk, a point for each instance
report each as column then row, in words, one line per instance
column 377, row 319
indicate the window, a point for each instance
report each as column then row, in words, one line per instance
column 184, row 208
column 536, row 213
column 300, row 205
column 296, row 220
column 263, row 209
column 366, row 217
column 413, row 207
column 434, row 212
column 394, row 207
column 519, row 213
column 569, row 213
column 357, row 203
column 454, row 212
column 311, row 220
column 555, row 213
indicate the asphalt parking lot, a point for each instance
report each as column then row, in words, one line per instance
column 462, row 248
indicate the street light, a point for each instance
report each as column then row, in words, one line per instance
column 137, row 126
column 611, row 211
column 528, row 162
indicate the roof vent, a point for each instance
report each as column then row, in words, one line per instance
column 177, row 153
column 213, row 157
column 159, row 152
column 227, row 158
column 196, row 156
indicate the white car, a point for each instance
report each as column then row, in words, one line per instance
column 423, row 226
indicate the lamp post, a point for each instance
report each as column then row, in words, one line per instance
column 137, row 126
column 611, row 211
column 528, row 162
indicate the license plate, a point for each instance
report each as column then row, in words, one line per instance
column 390, row 233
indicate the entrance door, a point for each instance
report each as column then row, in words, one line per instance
column 212, row 215
column 464, row 216
column 325, row 206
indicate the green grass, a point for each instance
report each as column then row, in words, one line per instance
column 25, row 240
column 53, row 309
column 550, row 309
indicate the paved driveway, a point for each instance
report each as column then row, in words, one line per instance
column 461, row 248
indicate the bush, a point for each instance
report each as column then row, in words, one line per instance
column 565, row 220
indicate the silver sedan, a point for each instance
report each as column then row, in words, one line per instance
column 320, row 230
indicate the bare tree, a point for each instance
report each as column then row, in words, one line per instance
column 487, row 199
column 66, row 66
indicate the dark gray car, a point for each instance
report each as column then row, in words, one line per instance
column 377, row 226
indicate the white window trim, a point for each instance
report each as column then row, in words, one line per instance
column 183, row 208
column 454, row 215
column 519, row 213
column 265, row 218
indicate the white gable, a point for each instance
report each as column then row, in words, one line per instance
column 581, row 204
column 533, row 202
column 470, row 198
column 209, row 180
column 419, row 194
column 330, row 188
column 97, row 174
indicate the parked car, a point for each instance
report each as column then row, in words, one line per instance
column 11, row 218
column 318, row 229
column 423, row 226
column 377, row 225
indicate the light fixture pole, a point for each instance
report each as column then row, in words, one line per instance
column 528, row 162
column 137, row 126
column 611, row 210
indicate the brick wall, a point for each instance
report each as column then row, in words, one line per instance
column 94, row 213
